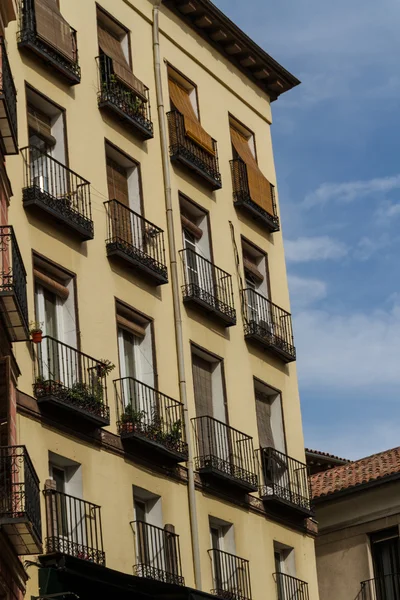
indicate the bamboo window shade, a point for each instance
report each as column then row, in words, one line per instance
column 111, row 46
column 117, row 182
column 263, row 412
column 51, row 284
column 131, row 326
column 259, row 186
column 193, row 129
column 40, row 123
column 202, row 384
column 252, row 268
column 189, row 225
column 52, row 28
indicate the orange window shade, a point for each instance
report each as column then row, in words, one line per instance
column 53, row 28
column 180, row 98
column 111, row 46
column 117, row 182
column 51, row 284
column 259, row 186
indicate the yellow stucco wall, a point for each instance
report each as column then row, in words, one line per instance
column 222, row 89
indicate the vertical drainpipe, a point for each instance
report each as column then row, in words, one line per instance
column 175, row 290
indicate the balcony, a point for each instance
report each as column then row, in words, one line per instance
column 66, row 66
column 268, row 325
column 151, row 419
column 225, row 454
column 136, row 242
column 284, row 482
column 386, row 587
column 8, row 105
column 50, row 188
column 290, row 588
column 132, row 109
column 13, row 299
column 73, row 527
column 190, row 155
column 158, row 554
column 231, row 576
column 20, row 500
column 71, row 380
column 244, row 202
column 207, row 287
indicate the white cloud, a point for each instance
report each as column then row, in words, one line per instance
column 356, row 350
column 305, row 249
column 367, row 246
column 387, row 211
column 351, row 190
column 305, row 291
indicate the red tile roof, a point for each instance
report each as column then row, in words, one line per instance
column 351, row 475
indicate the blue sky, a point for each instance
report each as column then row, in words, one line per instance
column 337, row 152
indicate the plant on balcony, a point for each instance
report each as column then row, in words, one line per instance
column 36, row 331
column 132, row 418
column 46, row 387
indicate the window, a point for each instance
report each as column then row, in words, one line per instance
column 222, row 535
column 269, row 417
column 196, row 244
column 67, row 481
column 46, row 129
column 55, row 301
column 284, row 559
column 243, row 149
column 255, row 266
column 208, row 385
column 123, row 179
column 385, row 546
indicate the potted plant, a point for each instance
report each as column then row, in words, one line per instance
column 131, row 418
column 36, row 331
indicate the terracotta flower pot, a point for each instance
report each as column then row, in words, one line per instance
column 37, row 337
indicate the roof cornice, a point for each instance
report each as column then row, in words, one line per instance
column 215, row 27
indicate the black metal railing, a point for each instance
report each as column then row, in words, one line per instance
column 8, row 103
column 208, row 284
column 136, row 238
column 29, row 38
column 13, row 284
column 242, row 196
column 58, row 189
column 269, row 323
column 71, row 378
column 158, row 554
column 73, row 527
column 225, row 451
column 231, row 575
column 290, row 588
column 283, row 478
column 129, row 105
column 19, row 489
column 147, row 413
column 194, row 156
column 386, row 587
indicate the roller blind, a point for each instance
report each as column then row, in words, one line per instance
column 111, row 46
column 117, row 182
column 193, row 129
column 189, row 225
column 251, row 267
column 131, row 326
column 40, row 123
column 259, row 186
column 52, row 28
column 51, row 284
column 202, row 383
column 263, row 412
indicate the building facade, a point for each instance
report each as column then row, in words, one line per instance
column 157, row 410
column 358, row 544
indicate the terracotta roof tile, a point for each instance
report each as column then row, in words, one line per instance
column 326, row 454
column 356, row 473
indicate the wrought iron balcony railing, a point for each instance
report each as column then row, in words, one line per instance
column 73, row 527
column 133, row 239
column 386, row 587
column 71, row 380
column 51, row 188
column 8, row 104
column 68, row 68
column 20, row 500
column 158, row 554
column 132, row 109
column 243, row 200
column 268, row 325
column 190, row 154
column 208, row 286
column 290, row 588
column 13, row 298
column 283, row 481
column 231, row 576
column 225, row 453
column 147, row 416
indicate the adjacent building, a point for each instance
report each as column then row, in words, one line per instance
column 151, row 427
column 358, row 514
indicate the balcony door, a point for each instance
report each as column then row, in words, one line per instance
column 199, row 268
column 386, row 557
